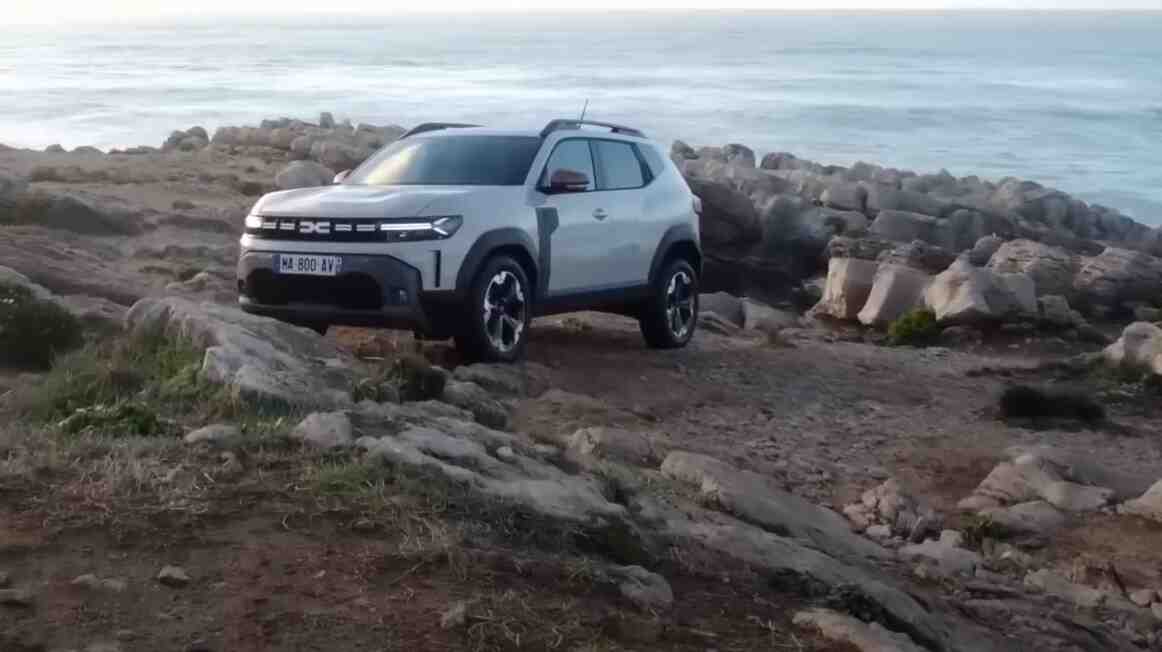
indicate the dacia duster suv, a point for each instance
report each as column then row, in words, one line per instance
column 464, row 232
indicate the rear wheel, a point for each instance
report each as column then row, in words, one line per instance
column 670, row 315
column 498, row 312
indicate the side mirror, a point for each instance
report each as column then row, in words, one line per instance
column 566, row 180
column 340, row 177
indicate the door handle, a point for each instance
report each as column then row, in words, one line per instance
column 600, row 214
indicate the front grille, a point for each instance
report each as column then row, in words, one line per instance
column 347, row 291
column 326, row 230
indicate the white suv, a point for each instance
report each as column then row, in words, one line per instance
column 459, row 231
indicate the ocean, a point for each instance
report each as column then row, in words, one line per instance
column 1072, row 100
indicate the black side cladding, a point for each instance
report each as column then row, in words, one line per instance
column 547, row 222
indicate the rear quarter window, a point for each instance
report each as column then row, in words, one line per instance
column 654, row 159
column 618, row 167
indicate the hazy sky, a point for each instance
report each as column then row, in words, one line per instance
column 33, row 11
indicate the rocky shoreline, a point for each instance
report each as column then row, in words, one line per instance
column 883, row 492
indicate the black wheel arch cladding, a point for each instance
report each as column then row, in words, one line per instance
column 676, row 237
column 507, row 238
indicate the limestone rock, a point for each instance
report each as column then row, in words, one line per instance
column 629, row 447
column 1139, row 348
column 724, row 304
column 480, row 403
column 260, row 358
column 1052, row 269
column 739, row 155
column 173, row 576
column 1054, row 584
column 507, row 380
column 866, row 637
column 896, row 289
column 213, row 434
column 845, row 196
column 324, row 430
column 648, row 591
column 1148, row 505
column 983, row 250
column 751, row 497
column 728, row 216
column 303, row 174
column 903, row 226
column 1055, row 310
column 849, row 284
column 964, row 294
column 1032, row 520
column 1119, row 276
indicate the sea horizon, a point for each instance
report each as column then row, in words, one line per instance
column 1069, row 98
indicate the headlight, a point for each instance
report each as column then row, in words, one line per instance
column 253, row 221
column 437, row 228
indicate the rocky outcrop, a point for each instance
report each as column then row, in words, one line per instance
column 729, row 218
column 964, row 294
column 1052, row 269
column 1138, row 349
column 1119, row 276
column 849, row 284
column 866, row 637
column 303, row 174
column 259, row 358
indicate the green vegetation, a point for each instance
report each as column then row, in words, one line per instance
column 130, row 385
column 33, row 331
column 915, row 328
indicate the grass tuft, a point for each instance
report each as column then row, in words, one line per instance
column 33, row 331
column 915, row 328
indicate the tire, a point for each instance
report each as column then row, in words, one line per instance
column 670, row 315
column 497, row 313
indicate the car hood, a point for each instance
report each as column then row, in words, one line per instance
column 356, row 201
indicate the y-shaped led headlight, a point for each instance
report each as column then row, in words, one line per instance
column 437, row 228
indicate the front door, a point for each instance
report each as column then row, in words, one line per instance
column 578, row 246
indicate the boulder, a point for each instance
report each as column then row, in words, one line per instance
column 261, row 359
column 646, row 590
column 845, row 197
column 472, row 397
column 983, row 250
column 844, row 629
column 213, row 434
column 968, row 227
column 338, row 156
column 728, row 216
column 918, row 255
column 324, row 430
column 964, row 294
column 849, row 284
column 1054, row 584
column 896, row 290
column 303, row 174
column 759, row 316
column 1030, row 522
column 326, row 120
column 625, row 446
column 946, row 553
column 724, row 304
column 1139, row 349
column 893, row 512
column 903, row 226
column 1055, row 311
column 739, row 155
column 526, row 379
column 680, row 151
column 1148, row 505
column 1052, row 269
column 1042, row 474
column 1118, row 276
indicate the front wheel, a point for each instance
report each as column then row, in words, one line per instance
column 670, row 314
column 499, row 309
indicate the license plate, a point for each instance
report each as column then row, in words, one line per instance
column 309, row 265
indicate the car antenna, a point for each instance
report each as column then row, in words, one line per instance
column 584, row 109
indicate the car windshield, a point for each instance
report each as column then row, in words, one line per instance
column 462, row 160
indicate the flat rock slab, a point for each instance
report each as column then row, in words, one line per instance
column 867, row 637
column 749, row 496
column 261, row 359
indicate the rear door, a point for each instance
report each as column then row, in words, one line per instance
column 621, row 177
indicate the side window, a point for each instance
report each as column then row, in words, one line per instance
column 572, row 154
column 618, row 166
column 654, row 159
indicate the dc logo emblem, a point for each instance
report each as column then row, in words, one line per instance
column 321, row 228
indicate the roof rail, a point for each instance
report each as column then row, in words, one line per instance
column 433, row 126
column 555, row 125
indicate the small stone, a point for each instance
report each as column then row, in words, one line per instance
column 173, row 576
column 648, row 591
column 364, row 525
column 212, row 434
column 879, row 532
column 1143, row 597
column 455, row 616
column 16, row 597
column 952, row 538
column 505, row 453
column 94, row 583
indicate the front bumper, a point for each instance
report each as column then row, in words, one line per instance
column 371, row 290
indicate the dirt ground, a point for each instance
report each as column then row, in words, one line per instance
column 275, row 563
